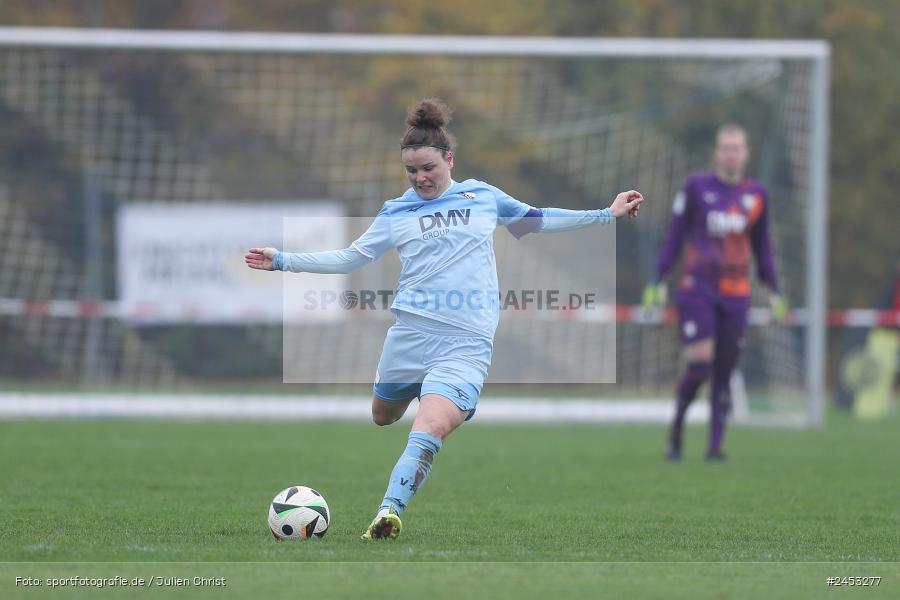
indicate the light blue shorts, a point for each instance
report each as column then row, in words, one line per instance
column 416, row 362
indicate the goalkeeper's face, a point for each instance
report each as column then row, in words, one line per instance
column 731, row 154
column 428, row 170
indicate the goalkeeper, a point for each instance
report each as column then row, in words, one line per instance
column 719, row 216
column 437, row 351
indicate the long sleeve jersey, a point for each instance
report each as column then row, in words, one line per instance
column 448, row 268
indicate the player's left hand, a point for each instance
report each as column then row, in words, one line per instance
column 627, row 203
column 779, row 306
column 260, row 258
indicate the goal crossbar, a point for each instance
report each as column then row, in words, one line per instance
column 213, row 41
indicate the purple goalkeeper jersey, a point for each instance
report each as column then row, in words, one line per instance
column 719, row 224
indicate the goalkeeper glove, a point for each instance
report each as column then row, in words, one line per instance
column 779, row 306
column 655, row 294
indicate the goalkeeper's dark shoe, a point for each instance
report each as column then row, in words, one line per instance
column 384, row 527
column 715, row 456
column 673, row 450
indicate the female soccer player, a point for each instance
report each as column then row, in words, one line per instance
column 722, row 215
column 437, row 351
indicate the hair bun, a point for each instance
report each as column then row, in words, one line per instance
column 430, row 113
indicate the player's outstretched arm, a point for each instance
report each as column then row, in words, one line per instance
column 260, row 258
column 627, row 203
column 554, row 220
column 329, row 262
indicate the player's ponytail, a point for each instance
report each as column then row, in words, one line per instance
column 427, row 121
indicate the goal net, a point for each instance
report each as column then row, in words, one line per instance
column 105, row 131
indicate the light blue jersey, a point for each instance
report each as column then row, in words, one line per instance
column 446, row 248
column 449, row 273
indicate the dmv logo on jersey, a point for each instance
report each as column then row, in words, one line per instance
column 720, row 223
column 437, row 224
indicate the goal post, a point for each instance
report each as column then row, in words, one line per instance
column 119, row 120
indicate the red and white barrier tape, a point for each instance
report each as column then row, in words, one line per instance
column 854, row 317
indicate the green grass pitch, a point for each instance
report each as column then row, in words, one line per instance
column 509, row 511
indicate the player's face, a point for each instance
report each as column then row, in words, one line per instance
column 731, row 154
column 428, row 170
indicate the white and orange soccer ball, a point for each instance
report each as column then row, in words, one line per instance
column 298, row 513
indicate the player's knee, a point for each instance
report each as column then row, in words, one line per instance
column 382, row 419
column 702, row 351
column 722, row 400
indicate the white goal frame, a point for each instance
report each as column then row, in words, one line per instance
column 817, row 52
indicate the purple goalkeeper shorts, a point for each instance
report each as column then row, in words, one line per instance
column 702, row 316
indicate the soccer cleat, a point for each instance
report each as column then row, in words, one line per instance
column 715, row 456
column 673, row 451
column 384, row 527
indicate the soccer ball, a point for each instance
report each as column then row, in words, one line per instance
column 298, row 513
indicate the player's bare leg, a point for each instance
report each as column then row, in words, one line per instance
column 438, row 416
column 385, row 413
